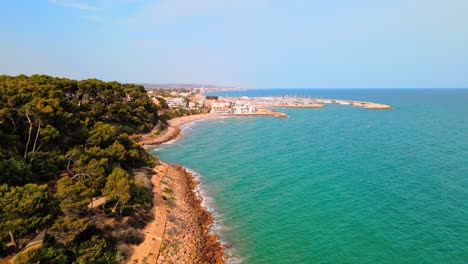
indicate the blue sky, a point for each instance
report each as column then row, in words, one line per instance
column 245, row 43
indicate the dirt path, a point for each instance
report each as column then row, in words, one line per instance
column 148, row 250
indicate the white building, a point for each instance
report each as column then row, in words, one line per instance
column 192, row 105
column 221, row 108
column 175, row 102
column 244, row 108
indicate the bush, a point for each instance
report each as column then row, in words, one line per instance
column 172, row 218
column 26, row 257
column 95, row 250
column 53, row 255
column 49, row 255
column 123, row 252
column 173, row 231
column 175, row 220
column 168, row 190
column 142, row 195
column 126, row 210
column 129, row 236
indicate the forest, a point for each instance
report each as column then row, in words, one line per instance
column 62, row 143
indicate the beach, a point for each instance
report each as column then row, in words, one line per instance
column 173, row 130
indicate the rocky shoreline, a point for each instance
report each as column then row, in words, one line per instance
column 188, row 237
column 181, row 229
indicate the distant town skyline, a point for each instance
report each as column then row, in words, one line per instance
column 240, row 43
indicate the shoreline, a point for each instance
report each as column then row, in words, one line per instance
column 188, row 236
column 179, row 189
column 184, row 231
column 174, row 129
column 181, row 231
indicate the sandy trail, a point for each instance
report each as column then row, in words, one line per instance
column 148, row 250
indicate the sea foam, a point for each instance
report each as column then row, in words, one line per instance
column 217, row 227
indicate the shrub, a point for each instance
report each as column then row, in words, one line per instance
column 53, row 255
column 95, row 250
column 126, row 210
column 173, row 231
column 26, row 257
column 129, row 236
column 168, row 190
column 123, row 252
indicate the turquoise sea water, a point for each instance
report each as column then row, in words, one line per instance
column 338, row 184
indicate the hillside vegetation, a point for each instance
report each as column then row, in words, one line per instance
column 63, row 142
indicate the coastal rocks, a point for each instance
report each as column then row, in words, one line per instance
column 187, row 237
column 153, row 138
column 377, row 106
column 300, row 106
column 365, row 105
column 268, row 112
column 281, row 115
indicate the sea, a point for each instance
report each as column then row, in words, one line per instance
column 339, row 184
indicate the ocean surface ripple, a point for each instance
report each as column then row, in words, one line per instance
column 338, row 184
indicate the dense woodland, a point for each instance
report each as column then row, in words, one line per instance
column 63, row 142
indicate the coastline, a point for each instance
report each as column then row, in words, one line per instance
column 173, row 131
column 183, row 232
column 178, row 204
column 181, row 229
column 189, row 237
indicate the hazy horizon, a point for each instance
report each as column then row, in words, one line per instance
column 211, row 85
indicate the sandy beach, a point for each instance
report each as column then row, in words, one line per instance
column 173, row 131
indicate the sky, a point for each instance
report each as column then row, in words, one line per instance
column 241, row 43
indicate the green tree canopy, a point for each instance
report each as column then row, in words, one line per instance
column 74, row 198
column 42, row 118
column 118, row 186
column 51, row 127
column 23, row 209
